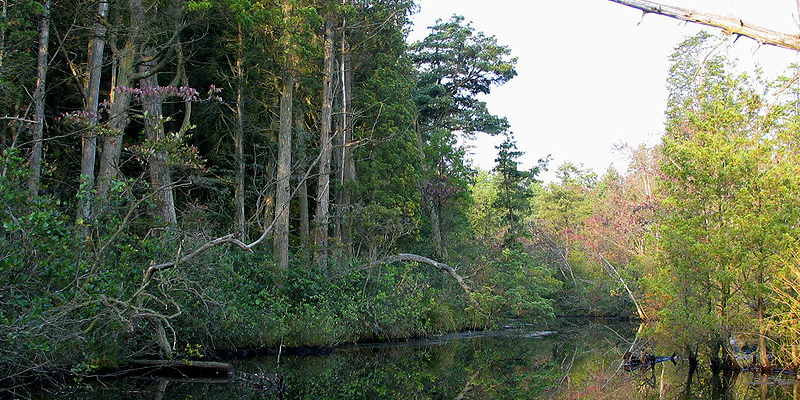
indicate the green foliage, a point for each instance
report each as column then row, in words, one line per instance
column 729, row 194
column 484, row 221
column 518, row 286
column 514, row 187
column 455, row 64
column 78, row 295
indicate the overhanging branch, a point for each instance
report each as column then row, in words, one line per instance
column 730, row 25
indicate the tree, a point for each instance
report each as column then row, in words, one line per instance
column 382, row 213
column 484, row 220
column 124, row 76
column 455, row 64
column 514, row 187
column 89, row 142
column 725, row 224
column 38, row 99
column 322, row 211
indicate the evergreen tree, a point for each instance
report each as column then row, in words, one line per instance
column 514, row 187
column 454, row 65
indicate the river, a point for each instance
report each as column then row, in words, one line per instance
column 573, row 359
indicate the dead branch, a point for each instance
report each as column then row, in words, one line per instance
column 404, row 257
column 231, row 238
column 730, row 25
column 639, row 309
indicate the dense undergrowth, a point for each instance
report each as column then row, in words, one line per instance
column 78, row 304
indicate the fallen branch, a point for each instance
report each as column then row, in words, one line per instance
column 730, row 25
column 182, row 368
column 404, row 257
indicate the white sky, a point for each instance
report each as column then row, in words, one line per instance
column 590, row 75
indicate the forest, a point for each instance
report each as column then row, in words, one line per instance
column 188, row 178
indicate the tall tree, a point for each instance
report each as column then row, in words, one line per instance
column 455, row 64
column 347, row 169
column 284, row 167
column 322, row 210
column 38, row 99
column 382, row 212
column 238, row 136
column 514, row 187
column 726, row 215
column 124, row 75
column 304, row 228
column 89, row 137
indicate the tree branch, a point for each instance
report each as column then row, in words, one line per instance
column 730, row 25
column 639, row 309
column 404, row 257
column 231, row 237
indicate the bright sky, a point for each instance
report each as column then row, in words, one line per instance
column 591, row 76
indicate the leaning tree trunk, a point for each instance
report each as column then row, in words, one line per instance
column 38, row 100
column 322, row 211
column 406, row 257
column 160, row 179
column 89, row 139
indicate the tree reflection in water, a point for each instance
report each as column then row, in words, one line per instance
column 581, row 361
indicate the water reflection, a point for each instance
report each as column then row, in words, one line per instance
column 581, row 361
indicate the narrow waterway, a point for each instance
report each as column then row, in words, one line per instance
column 573, row 359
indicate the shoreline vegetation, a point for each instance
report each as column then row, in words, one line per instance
column 182, row 177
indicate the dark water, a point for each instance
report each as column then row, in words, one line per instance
column 580, row 361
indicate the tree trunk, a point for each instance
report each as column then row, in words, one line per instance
column 238, row 139
column 428, row 202
column 122, row 78
column 89, row 139
column 348, row 164
column 284, row 173
column 118, row 120
column 302, row 166
column 322, row 211
column 730, row 25
column 38, row 100
column 762, row 335
column 3, row 19
column 160, row 179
